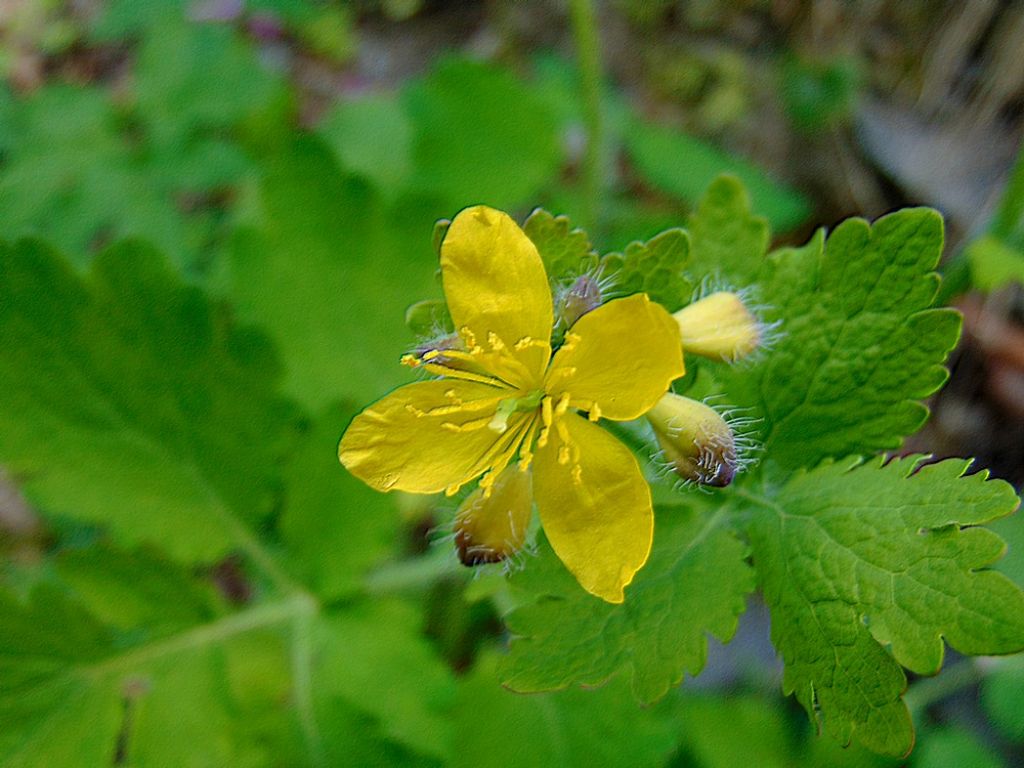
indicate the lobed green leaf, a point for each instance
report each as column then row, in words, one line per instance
column 857, row 344
column 130, row 401
column 866, row 569
column 564, row 249
column 656, row 268
column 694, row 584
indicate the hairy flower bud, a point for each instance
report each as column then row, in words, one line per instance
column 491, row 523
column 719, row 326
column 696, row 440
column 581, row 297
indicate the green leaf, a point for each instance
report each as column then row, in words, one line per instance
column 722, row 732
column 371, row 136
column 428, row 318
column 467, row 150
column 92, row 695
column 190, row 77
column 69, row 175
column 564, row 249
column 954, row 746
column 372, row 659
column 127, row 591
column 694, row 584
column 329, row 273
column 857, row 559
column 277, row 683
column 728, row 244
column 130, row 401
column 683, row 166
column 856, row 346
column 994, row 263
column 655, row 268
column 495, row 727
column 1002, row 696
column 333, row 526
column 120, row 19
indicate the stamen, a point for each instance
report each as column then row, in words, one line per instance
column 563, row 404
column 577, row 475
column 529, row 341
column 467, row 426
column 570, row 341
column 495, row 342
column 595, row 412
column 469, row 338
column 526, row 449
column 455, row 373
column 546, row 417
column 502, row 456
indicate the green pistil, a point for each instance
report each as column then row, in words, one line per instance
column 511, row 405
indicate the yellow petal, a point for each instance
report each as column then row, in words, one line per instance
column 595, row 506
column 490, row 527
column 427, row 437
column 719, row 326
column 621, row 357
column 498, row 294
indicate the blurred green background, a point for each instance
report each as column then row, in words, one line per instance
column 289, row 158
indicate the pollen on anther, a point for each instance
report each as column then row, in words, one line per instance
column 495, row 342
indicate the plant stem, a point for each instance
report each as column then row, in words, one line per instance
column 584, row 28
column 412, row 574
column 1009, row 215
column 248, row 620
column 1007, row 223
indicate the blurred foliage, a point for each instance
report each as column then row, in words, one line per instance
column 211, row 287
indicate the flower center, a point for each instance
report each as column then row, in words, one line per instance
column 510, row 405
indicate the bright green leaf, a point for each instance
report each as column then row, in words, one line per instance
column 857, row 559
column 371, row 658
column 994, row 263
column 655, row 268
column 334, row 527
column 467, row 147
column 728, row 244
column 190, row 77
column 694, row 584
column 429, row 318
column 95, row 696
column 565, row 250
column 70, row 176
column 130, row 401
column 684, row 166
column 129, row 590
column 371, row 136
column 328, row 278
column 856, row 346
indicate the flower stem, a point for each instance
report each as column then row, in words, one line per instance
column 1009, row 218
column 1006, row 224
column 584, row 27
column 414, row 574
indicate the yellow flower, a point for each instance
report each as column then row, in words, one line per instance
column 506, row 403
